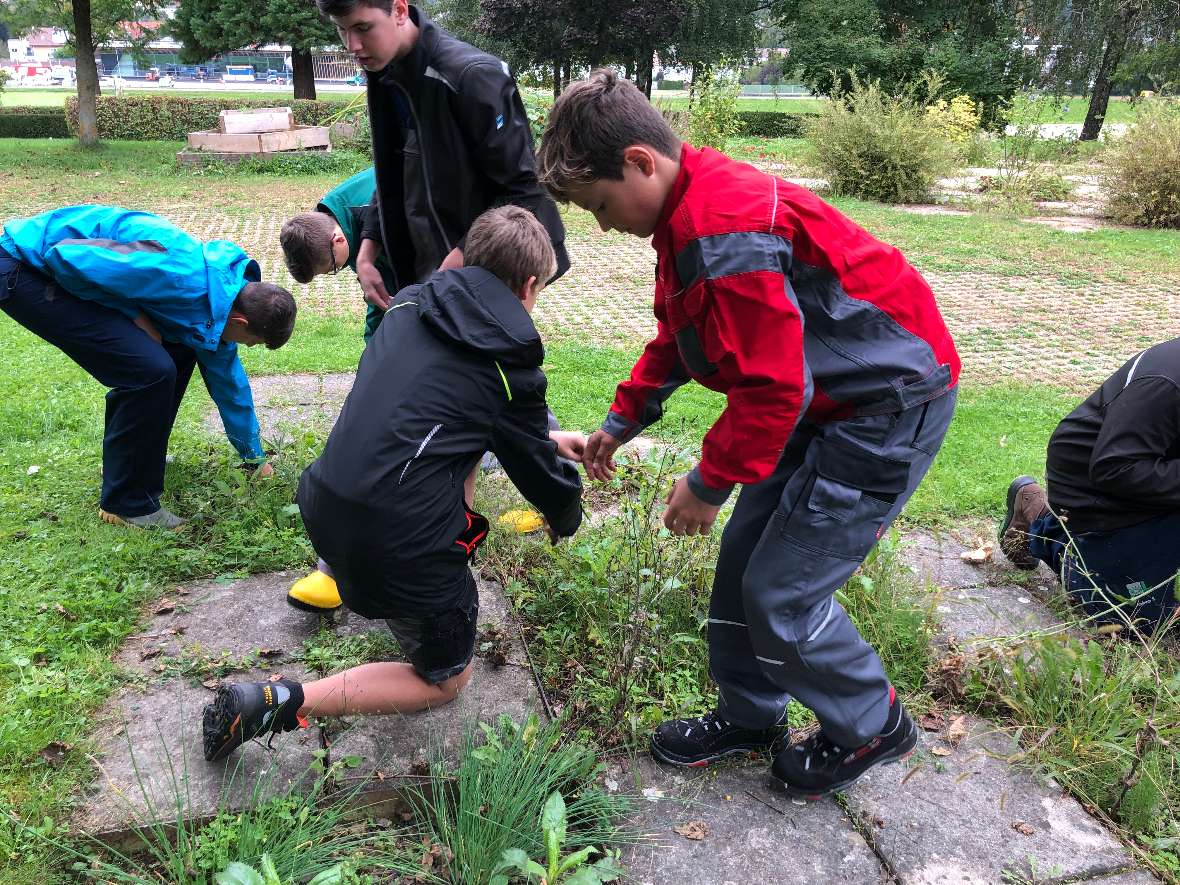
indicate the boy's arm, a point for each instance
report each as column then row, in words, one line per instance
column 491, row 115
column 1130, row 457
column 520, row 440
column 639, row 401
column 230, row 389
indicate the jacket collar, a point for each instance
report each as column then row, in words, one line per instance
column 690, row 158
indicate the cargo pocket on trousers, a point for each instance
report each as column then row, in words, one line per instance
column 843, row 506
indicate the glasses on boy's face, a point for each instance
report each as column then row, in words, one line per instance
column 335, row 266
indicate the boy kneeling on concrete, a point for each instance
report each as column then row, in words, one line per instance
column 453, row 371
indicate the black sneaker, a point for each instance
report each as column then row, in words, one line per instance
column 696, row 742
column 245, row 710
column 816, row 767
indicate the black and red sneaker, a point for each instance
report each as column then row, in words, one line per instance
column 816, row 766
column 245, row 710
column 704, row 739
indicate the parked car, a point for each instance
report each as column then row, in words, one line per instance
column 115, row 81
column 167, row 80
column 357, row 79
column 279, row 77
column 153, row 75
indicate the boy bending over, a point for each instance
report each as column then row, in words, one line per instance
column 453, row 371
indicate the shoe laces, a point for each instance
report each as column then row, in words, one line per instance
column 818, row 748
column 711, row 721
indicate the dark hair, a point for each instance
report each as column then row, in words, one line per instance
column 307, row 244
column 510, row 242
column 590, row 126
column 269, row 310
column 344, row 7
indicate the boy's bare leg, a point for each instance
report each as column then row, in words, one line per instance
column 379, row 688
column 469, row 487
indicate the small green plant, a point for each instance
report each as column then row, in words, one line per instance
column 329, row 651
column 957, row 119
column 713, row 114
column 879, row 147
column 238, row 873
column 1142, row 176
column 573, row 869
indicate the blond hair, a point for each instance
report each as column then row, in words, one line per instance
column 511, row 243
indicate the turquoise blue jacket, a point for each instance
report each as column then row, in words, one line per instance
column 137, row 262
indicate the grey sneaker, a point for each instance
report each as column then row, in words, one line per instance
column 161, row 519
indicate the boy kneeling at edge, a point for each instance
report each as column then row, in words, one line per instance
column 453, row 372
column 840, row 381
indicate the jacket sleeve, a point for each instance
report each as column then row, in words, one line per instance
column 639, row 401
column 495, row 126
column 520, row 439
column 230, row 390
column 1130, row 457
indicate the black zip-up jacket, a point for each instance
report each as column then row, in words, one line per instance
column 453, row 371
column 450, row 140
column 1114, row 461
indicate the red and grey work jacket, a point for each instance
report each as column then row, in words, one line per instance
column 769, row 295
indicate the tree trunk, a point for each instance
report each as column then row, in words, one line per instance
column 86, row 70
column 643, row 72
column 302, row 73
column 556, row 78
column 1116, row 46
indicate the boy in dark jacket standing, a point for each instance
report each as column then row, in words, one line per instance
column 450, row 140
column 453, row 372
column 839, row 376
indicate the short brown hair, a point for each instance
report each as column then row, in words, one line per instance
column 509, row 242
column 307, row 244
column 590, row 126
column 269, row 311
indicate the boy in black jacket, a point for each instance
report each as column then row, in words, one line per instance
column 453, row 371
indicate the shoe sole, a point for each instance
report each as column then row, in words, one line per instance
column 1013, row 490
column 221, row 726
column 308, row 607
column 682, row 762
column 118, row 520
column 901, row 754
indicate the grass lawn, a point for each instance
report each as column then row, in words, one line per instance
column 56, row 96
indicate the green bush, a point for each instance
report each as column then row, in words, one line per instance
column 713, row 115
column 877, row 146
column 774, row 124
column 33, row 122
column 166, row 117
column 1143, row 170
column 670, row 84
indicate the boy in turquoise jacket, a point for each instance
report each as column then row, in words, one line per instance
column 137, row 303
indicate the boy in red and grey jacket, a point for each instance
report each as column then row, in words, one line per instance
column 839, row 375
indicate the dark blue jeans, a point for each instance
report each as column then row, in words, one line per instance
column 1133, row 568
column 147, row 379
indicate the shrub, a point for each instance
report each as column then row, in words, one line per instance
column 670, row 84
column 774, row 124
column 957, row 120
column 537, row 107
column 712, row 115
column 26, row 122
column 880, row 147
column 166, row 117
column 1142, row 175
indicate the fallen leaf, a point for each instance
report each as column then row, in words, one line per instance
column 878, row 822
column 152, row 652
column 33, row 468
column 932, row 721
column 694, row 830
column 64, row 612
column 942, row 751
column 957, row 731
column 270, row 652
column 1023, row 828
column 165, row 606
column 653, row 794
column 212, row 684
column 54, row 753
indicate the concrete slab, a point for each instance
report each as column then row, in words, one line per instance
column 977, row 614
column 935, row 558
column 287, row 404
column 1131, row 877
column 751, row 833
column 966, row 817
column 390, row 745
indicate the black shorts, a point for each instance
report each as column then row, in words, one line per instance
column 440, row 644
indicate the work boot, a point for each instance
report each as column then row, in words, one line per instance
column 696, row 742
column 315, row 593
column 1027, row 502
column 245, row 710
column 816, row 766
column 160, row 519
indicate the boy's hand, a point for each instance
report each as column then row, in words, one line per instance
column 148, row 326
column 368, row 275
column 598, row 457
column 687, row 514
column 571, row 445
column 265, row 471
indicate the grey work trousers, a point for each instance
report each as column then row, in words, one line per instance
column 776, row 630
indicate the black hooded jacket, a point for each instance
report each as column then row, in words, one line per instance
column 453, row 371
column 451, row 140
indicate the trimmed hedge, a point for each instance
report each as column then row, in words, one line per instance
column 172, row 118
column 774, row 124
column 33, row 122
column 669, row 84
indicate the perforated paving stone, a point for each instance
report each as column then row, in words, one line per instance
column 750, row 833
column 968, row 817
column 290, row 404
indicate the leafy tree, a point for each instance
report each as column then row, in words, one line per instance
column 88, row 24
column 712, row 31
column 208, row 27
column 1083, row 42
